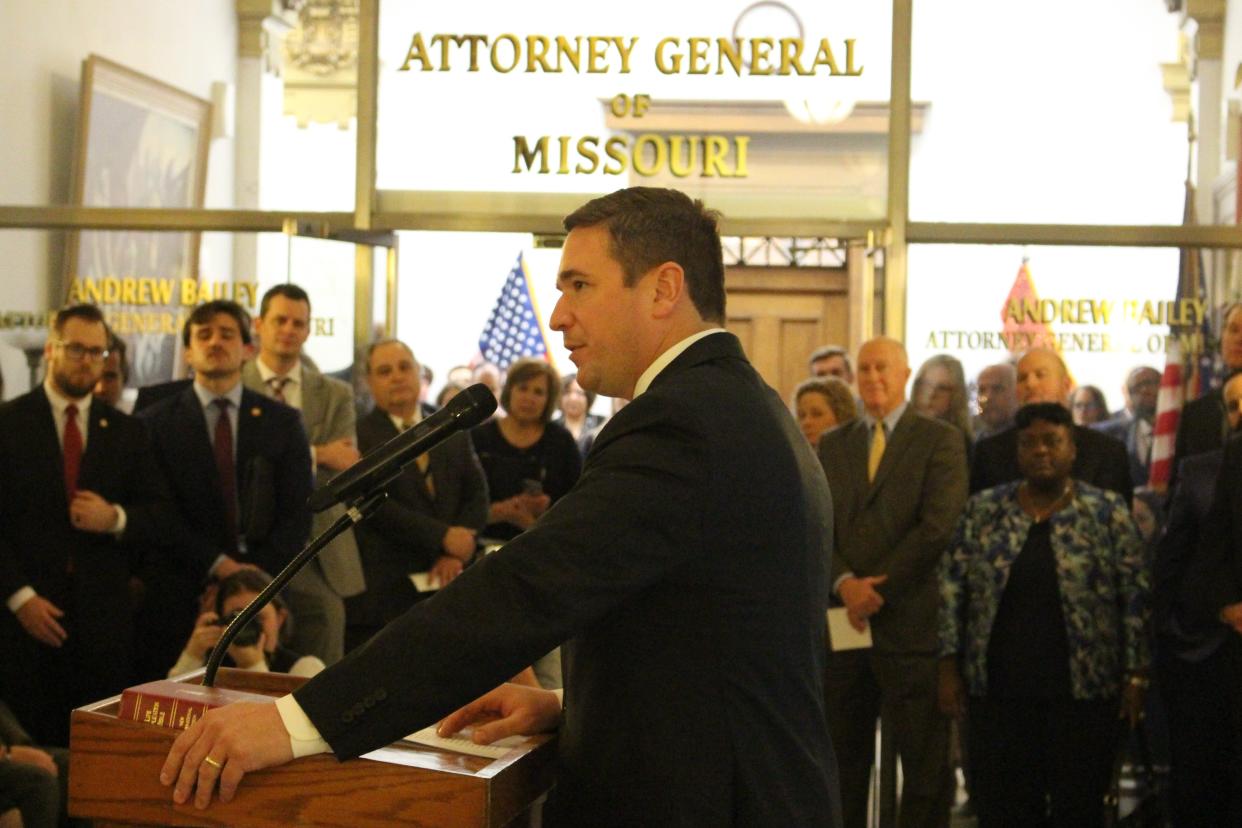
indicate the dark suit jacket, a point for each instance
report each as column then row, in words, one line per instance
column 899, row 524
column 38, row 544
column 149, row 395
column 1102, row 461
column 1125, row 430
column 273, row 480
column 1176, row 553
column 1201, row 427
column 685, row 573
column 1214, row 579
column 404, row 536
column 327, row 415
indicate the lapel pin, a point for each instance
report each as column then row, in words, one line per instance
column 103, row 423
column 256, row 411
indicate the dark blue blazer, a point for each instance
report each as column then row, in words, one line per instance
column 1181, row 546
column 273, row 479
column 686, row 575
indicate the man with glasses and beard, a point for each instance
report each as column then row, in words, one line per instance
column 82, row 492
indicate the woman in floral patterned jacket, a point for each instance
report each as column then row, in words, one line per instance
column 1042, row 632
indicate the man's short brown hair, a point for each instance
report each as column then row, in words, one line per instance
column 85, row 312
column 204, row 313
column 649, row 226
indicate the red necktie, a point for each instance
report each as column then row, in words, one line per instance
column 223, row 446
column 72, row 451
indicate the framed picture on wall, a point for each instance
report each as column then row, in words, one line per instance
column 141, row 143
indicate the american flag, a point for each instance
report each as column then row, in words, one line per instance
column 514, row 328
column 1186, row 375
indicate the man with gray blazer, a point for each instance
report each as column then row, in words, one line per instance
column 898, row 482
column 317, row 595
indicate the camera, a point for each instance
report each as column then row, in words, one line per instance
column 248, row 636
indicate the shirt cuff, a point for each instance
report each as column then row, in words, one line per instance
column 118, row 528
column 19, row 598
column 836, row 585
column 304, row 737
column 314, row 460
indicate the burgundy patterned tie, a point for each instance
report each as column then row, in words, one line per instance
column 72, row 450
column 223, row 446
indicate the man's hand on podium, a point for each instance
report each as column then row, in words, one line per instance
column 223, row 746
column 509, row 710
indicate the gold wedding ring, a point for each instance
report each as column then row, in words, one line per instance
column 214, row 763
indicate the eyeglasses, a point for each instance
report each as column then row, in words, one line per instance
column 78, row 352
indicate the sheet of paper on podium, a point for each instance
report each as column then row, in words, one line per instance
column 842, row 635
column 460, row 743
column 424, row 582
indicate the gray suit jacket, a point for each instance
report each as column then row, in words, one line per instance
column 328, row 414
column 899, row 524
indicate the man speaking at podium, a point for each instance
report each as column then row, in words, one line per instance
column 685, row 574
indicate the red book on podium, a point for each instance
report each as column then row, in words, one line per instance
column 115, row 763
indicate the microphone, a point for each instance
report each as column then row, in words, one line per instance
column 383, row 464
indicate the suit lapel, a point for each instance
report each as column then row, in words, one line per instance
column 312, row 402
column 98, row 439
column 855, row 475
column 193, row 424
column 249, row 428
column 894, row 447
column 1085, row 463
column 44, row 436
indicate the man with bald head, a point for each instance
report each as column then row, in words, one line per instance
column 1043, row 377
column 997, row 400
column 898, row 483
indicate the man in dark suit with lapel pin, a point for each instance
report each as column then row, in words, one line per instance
column 317, row 594
column 685, row 573
column 434, row 509
column 238, row 466
column 80, row 498
column 1101, row 461
column 898, row 483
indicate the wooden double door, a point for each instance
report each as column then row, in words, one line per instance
column 782, row 314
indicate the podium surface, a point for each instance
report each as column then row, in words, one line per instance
column 114, row 778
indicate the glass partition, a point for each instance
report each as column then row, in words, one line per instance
column 1106, row 309
column 1051, row 112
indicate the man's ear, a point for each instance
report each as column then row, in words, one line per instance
column 670, row 289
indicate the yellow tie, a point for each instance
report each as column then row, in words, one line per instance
column 424, row 463
column 877, row 451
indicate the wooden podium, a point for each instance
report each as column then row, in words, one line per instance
column 114, row 778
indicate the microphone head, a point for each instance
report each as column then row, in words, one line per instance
column 472, row 405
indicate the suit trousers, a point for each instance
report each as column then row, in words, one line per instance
column 1040, row 762
column 900, row 690
column 1196, row 701
column 318, row 626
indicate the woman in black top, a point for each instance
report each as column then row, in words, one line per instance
column 1043, row 634
column 529, row 462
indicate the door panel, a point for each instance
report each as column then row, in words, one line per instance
column 781, row 315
